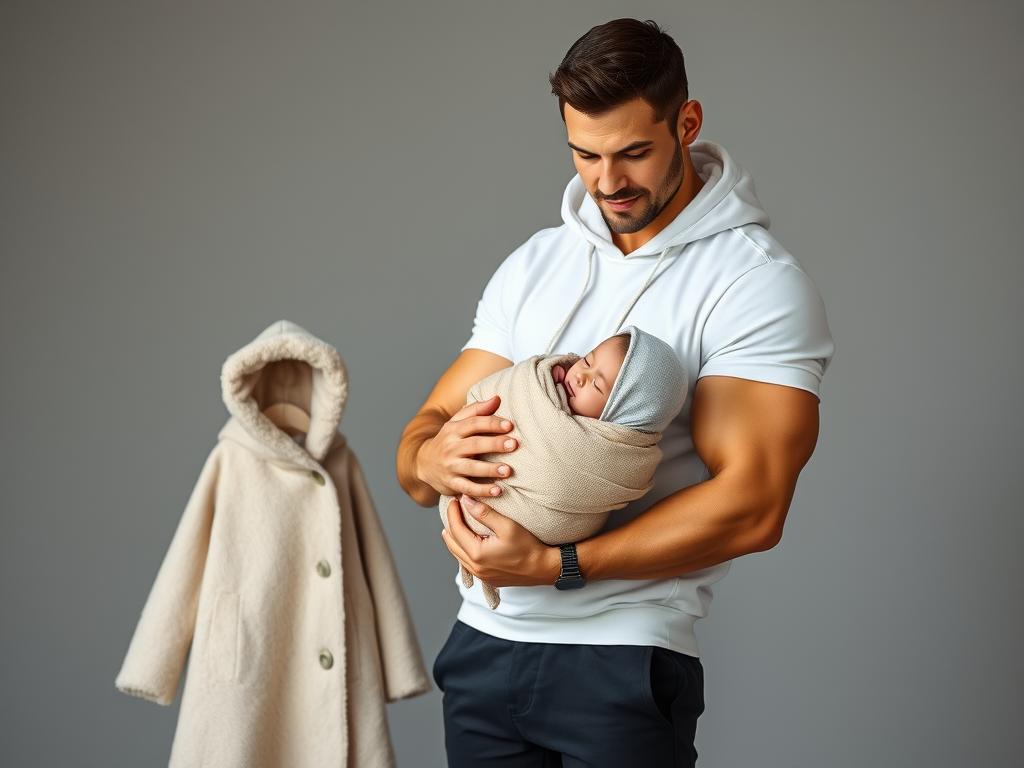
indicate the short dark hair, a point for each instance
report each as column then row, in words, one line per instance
column 617, row 61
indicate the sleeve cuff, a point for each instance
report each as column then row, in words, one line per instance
column 771, row 374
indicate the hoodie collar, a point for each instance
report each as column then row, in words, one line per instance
column 726, row 200
column 285, row 363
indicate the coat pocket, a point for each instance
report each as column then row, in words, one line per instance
column 222, row 649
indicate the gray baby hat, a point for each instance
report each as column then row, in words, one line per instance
column 651, row 386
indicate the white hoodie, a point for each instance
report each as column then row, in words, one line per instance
column 718, row 287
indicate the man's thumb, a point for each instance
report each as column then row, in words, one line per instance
column 490, row 405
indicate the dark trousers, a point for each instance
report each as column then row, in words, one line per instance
column 509, row 703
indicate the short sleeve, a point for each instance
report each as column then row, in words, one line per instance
column 769, row 325
column 492, row 326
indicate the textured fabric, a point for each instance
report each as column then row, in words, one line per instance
column 570, row 470
column 650, row 387
column 574, row 705
column 292, row 657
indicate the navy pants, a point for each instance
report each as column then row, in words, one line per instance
column 517, row 704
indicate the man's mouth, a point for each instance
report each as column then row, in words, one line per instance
column 621, row 205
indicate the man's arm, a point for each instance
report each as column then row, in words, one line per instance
column 755, row 438
column 447, row 397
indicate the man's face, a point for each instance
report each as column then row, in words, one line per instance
column 624, row 154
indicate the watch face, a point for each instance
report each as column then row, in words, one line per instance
column 570, row 583
column 570, row 578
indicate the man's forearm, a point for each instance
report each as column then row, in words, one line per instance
column 421, row 428
column 694, row 528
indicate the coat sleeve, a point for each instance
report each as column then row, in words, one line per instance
column 405, row 673
column 156, row 655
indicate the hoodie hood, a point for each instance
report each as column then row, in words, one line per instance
column 285, row 363
column 726, row 200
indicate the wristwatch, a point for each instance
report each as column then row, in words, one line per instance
column 570, row 577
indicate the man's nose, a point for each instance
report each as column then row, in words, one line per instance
column 611, row 178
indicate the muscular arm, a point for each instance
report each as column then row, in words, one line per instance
column 447, row 397
column 755, row 438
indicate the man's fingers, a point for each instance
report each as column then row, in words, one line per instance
column 456, row 551
column 479, row 468
column 457, row 527
column 474, row 446
column 477, row 489
column 475, row 425
column 451, row 538
column 479, row 407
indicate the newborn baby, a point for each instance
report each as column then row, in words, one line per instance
column 591, row 426
column 588, row 382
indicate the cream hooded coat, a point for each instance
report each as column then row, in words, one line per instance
column 280, row 579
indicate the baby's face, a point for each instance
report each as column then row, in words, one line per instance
column 589, row 380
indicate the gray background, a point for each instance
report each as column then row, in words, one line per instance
column 175, row 176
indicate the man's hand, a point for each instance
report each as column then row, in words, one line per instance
column 445, row 462
column 447, row 401
column 512, row 557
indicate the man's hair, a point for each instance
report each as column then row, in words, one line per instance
column 617, row 61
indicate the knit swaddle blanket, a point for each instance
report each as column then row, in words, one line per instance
column 569, row 472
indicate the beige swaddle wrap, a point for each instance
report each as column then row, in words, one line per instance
column 569, row 471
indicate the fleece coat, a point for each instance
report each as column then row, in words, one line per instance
column 570, row 471
column 280, row 580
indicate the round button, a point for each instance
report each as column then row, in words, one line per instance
column 323, row 568
column 326, row 659
column 317, row 476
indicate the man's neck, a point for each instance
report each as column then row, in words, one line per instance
column 692, row 184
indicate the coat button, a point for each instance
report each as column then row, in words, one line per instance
column 317, row 476
column 326, row 659
column 323, row 568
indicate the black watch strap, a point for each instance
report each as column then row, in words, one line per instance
column 570, row 577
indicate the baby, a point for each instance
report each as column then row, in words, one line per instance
column 591, row 428
column 646, row 397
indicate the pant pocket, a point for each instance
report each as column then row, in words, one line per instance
column 437, row 670
column 661, row 681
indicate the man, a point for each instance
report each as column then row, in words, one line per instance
column 667, row 231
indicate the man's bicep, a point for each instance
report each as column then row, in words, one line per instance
column 759, row 434
column 449, row 394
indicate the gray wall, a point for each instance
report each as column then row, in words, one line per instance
column 173, row 178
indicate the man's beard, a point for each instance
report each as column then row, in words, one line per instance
column 625, row 226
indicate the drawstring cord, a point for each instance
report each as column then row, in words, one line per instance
column 586, row 282
column 650, row 276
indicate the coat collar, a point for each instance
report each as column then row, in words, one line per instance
column 285, row 363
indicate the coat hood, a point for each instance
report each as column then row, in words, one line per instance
column 726, row 200
column 285, row 363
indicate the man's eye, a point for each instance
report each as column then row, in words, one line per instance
column 631, row 157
